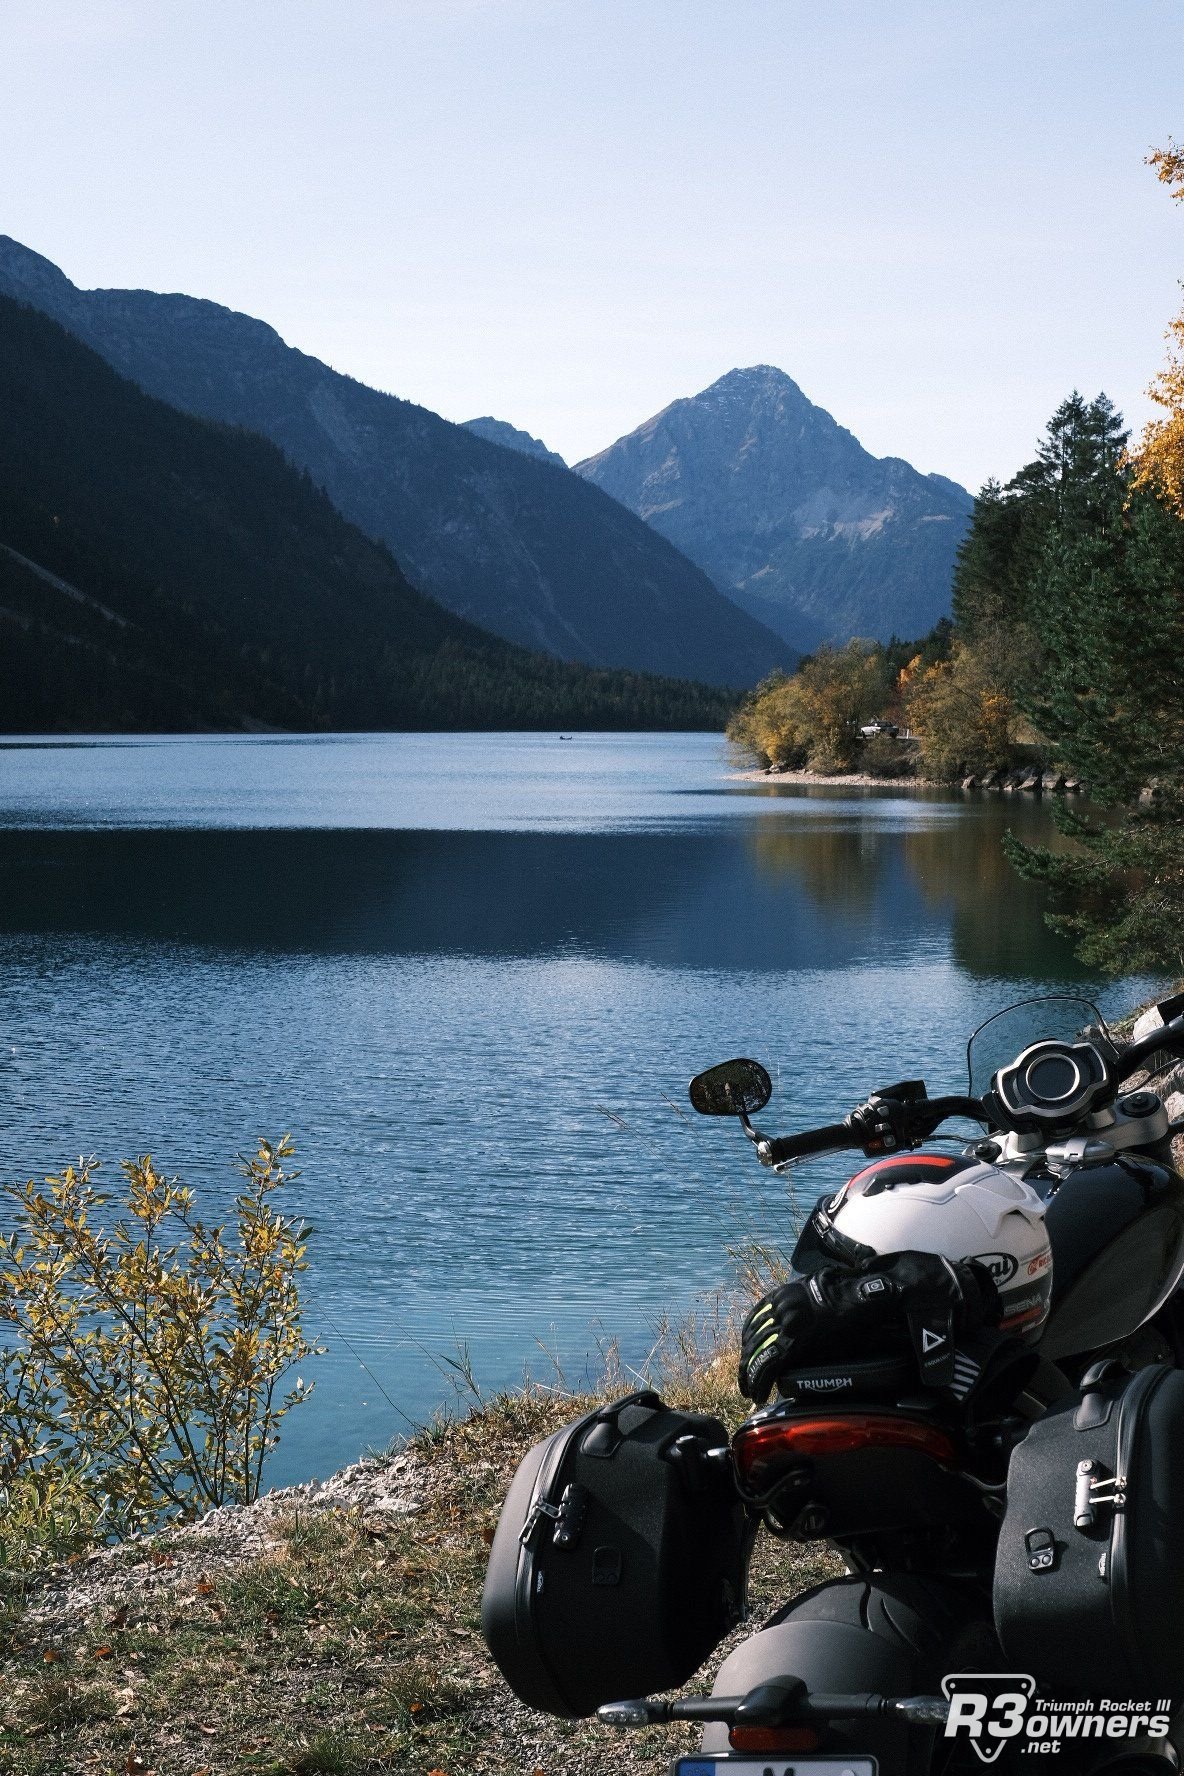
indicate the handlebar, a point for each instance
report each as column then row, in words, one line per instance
column 882, row 1125
column 1169, row 1036
column 939, row 1110
column 776, row 1149
column 890, row 1124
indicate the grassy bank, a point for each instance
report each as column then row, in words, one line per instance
column 330, row 1629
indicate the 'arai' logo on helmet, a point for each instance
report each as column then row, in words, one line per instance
column 1001, row 1266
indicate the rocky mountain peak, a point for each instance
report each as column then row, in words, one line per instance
column 754, row 381
column 787, row 512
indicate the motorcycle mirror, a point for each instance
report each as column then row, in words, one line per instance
column 734, row 1088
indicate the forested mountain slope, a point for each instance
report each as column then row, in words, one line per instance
column 521, row 546
column 162, row 572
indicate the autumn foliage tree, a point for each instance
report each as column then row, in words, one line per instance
column 963, row 710
column 813, row 718
column 1159, row 460
column 765, row 725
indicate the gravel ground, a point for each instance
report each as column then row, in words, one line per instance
column 221, row 1542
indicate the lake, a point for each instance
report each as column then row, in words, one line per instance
column 473, row 974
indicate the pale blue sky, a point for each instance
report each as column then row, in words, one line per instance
column 934, row 216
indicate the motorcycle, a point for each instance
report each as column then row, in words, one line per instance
column 912, row 1491
column 975, row 1515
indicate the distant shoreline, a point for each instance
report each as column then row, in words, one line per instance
column 844, row 780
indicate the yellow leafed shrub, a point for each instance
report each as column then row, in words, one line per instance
column 813, row 718
column 963, row 713
column 144, row 1355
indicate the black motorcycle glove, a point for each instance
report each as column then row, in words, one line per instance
column 839, row 1313
column 940, row 1302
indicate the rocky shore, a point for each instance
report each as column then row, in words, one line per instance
column 1025, row 781
column 843, row 780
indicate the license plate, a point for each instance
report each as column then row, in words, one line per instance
column 744, row 1764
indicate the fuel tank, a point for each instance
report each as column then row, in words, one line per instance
column 1116, row 1228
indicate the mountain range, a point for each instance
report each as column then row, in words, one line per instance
column 162, row 572
column 718, row 540
column 788, row 513
column 518, row 545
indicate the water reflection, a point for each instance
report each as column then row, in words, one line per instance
column 444, row 1017
column 774, row 895
column 996, row 921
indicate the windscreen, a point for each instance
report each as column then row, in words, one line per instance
column 1053, row 1018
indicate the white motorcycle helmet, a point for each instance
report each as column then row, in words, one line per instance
column 959, row 1208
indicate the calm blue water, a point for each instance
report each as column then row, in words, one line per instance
column 472, row 974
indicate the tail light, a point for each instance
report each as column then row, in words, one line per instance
column 763, row 1452
column 774, row 1738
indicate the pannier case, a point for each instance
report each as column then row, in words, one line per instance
column 620, row 1558
column 1089, row 1575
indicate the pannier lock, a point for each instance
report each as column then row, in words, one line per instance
column 567, row 1516
column 1096, row 1491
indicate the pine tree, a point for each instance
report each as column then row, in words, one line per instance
column 987, row 577
column 1111, row 704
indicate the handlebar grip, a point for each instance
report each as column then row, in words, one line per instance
column 824, row 1140
column 922, row 1119
column 1168, row 1038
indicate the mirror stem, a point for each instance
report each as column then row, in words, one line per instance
column 754, row 1135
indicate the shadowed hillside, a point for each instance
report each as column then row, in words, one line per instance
column 520, row 546
column 160, row 572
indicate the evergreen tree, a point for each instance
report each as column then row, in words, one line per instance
column 1110, row 616
column 1075, row 484
column 1111, row 703
column 985, row 594
column 1077, row 481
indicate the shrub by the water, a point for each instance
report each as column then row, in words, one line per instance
column 885, row 756
column 144, row 1354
